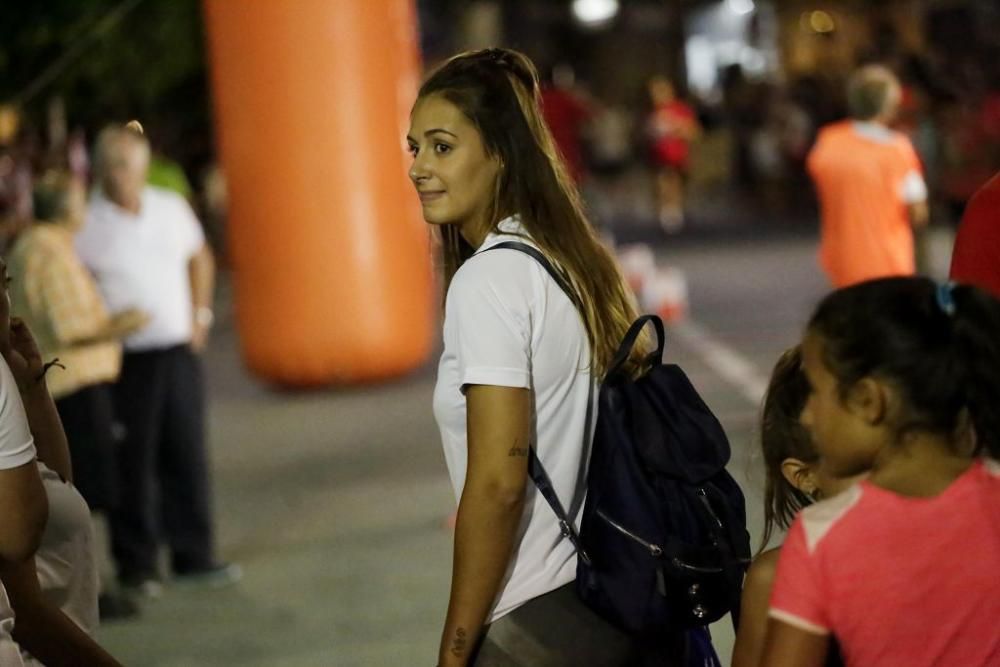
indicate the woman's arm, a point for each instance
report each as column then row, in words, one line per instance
column 753, row 610
column 201, row 269
column 788, row 646
column 47, row 430
column 42, row 629
column 489, row 512
column 25, row 511
column 43, row 420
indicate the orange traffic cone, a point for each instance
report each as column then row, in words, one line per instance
column 666, row 294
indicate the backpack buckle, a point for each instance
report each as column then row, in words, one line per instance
column 567, row 531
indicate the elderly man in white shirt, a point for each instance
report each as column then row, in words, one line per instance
column 147, row 251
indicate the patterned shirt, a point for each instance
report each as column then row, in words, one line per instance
column 57, row 298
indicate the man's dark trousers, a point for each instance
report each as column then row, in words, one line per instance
column 164, row 483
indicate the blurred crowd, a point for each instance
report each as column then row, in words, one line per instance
column 950, row 110
column 29, row 149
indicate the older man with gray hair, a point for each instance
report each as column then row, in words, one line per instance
column 147, row 251
column 870, row 185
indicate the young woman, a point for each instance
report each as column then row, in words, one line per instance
column 520, row 365
column 54, row 594
column 795, row 480
column 22, row 496
column 902, row 567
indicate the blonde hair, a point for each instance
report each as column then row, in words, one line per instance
column 498, row 90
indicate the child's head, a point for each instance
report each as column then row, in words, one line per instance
column 898, row 356
column 794, row 478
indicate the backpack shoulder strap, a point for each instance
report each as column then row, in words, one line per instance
column 535, row 468
column 541, row 479
column 534, row 252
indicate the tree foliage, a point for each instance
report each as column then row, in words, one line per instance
column 148, row 65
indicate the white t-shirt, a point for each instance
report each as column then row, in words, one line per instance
column 507, row 323
column 141, row 261
column 17, row 448
column 67, row 571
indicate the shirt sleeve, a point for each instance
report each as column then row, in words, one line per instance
column 193, row 236
column 488, row 322
column 17, row 447
column 912, row 187
column 87, row 244
column 797, row 597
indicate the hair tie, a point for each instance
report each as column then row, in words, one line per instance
column 497, row 56
column 946, row 298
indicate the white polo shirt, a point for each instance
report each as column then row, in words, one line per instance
column 507, row 323
column 141, row 261
column 17, row 448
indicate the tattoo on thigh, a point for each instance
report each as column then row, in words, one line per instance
column 459, row 643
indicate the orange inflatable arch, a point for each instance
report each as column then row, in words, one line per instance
column 331, row 260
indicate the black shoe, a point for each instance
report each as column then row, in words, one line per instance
column 116, row 607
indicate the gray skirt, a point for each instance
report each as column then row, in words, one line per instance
column 558, row 630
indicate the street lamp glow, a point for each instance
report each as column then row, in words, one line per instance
column 741, row 7
column 594, row 12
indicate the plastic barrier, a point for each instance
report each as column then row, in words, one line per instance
column 659, row 290
column 330, row 256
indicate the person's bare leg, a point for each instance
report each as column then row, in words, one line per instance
column 670, row 189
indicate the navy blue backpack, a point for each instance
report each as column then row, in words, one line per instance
column 663, row 545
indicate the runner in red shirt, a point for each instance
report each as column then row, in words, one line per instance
column 566, row 113
column 671, row 127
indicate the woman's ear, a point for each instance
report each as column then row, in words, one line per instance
column 869, row 399
column 801, row 475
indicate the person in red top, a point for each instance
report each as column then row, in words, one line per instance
column 671, row 127
column 976, row 256
column 566, row 113
column 870, row 185
column 902, row 567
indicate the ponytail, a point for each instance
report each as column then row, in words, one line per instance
column 783, row 437
column 977, row 341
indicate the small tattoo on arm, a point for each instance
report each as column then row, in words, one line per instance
column 517, row 451
column 459, row 643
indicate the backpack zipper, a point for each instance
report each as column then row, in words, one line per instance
column 654, row 550
column 677, row 562
column 708, row 505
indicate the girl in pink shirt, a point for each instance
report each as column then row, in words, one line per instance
column 902, row 568
column 795, row 479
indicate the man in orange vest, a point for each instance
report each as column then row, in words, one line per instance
column 870, row 185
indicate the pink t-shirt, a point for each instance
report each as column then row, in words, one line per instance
column 899, row 581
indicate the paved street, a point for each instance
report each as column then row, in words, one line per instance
column 334, row 502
